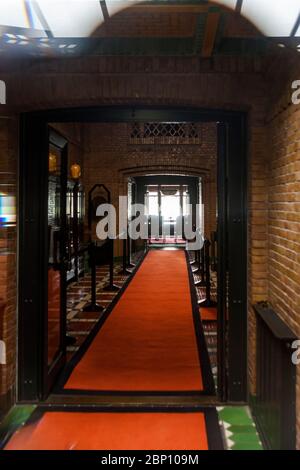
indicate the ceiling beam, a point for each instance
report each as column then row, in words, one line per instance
column 211, row 28
column 41, row 17
column 296, row 26
column 104, row 10
column 239, row 5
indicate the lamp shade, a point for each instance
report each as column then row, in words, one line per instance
column 167, row 191
column 75, row 171
column 52, row 163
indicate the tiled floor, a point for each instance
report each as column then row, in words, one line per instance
column 17, row 417
column 210, row 332
column 210, row 327
column 236, row 422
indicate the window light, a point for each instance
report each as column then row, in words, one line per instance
column 273, row 18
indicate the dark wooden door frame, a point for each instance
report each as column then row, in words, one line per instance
column 232, row 229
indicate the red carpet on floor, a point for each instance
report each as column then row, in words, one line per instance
column 148, row 342
column 58, row 430
column 208, row 314
column 53, row 313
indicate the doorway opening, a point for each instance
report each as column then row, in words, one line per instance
column 72, row 184
column 167, row 203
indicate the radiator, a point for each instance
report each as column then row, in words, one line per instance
column 274, row 405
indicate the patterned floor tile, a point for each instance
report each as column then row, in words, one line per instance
column 239, row 428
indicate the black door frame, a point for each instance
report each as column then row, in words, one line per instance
column 232, row 235
column 50, row 374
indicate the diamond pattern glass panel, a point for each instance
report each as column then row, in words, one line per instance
column 181, row 133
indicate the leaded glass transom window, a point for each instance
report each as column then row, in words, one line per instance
column 165, row 133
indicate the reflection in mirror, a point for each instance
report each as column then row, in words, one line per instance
column 54, row 273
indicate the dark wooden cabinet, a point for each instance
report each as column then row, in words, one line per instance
column 75, row 230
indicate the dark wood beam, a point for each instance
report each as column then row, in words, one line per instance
column 211, row 27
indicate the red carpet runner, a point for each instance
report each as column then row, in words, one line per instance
column 58, row 430
column 148, row 342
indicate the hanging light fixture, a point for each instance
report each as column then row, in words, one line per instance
column 75, row 171
column 169, row 191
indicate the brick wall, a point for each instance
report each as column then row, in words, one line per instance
column 110, row 158
column 257, row 238
column 257, row 85
column 128, row 24
column 283, row 163
column 234, row 83
column 74, row 135
column 8, row 293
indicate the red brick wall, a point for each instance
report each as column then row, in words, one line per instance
column 257, row 239
column 261, row 87
column 222, row 83
column 283, row 164
column 8, row 292
column 73, row 133
column 110, row 158
column 141, row 24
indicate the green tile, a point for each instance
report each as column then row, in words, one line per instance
column 15, row 418
column 245, row 438
column 235, row 415
column 17, row 415
column 247, row 446
column 241, row 426
column 237, row 429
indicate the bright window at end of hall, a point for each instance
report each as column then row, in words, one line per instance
column 151, row 203
column 170, row 206
column 185, row 203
